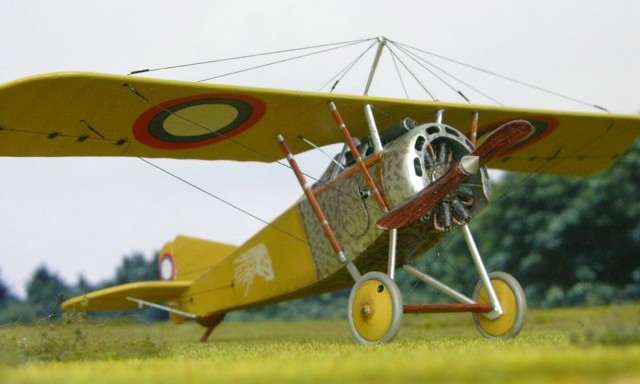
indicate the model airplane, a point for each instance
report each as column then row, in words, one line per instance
column 410, row 171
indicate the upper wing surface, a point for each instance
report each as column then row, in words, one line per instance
column 84, row 114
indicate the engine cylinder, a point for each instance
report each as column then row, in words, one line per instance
column 421, row 156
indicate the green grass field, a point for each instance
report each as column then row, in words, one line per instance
column 587, row 345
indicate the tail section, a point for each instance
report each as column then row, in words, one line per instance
column 180, row 263
column 187, row 258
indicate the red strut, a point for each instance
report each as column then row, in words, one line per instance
column 317, row 210
column 356, row 155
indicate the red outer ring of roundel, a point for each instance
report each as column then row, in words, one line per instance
column 250, row 111
column 173, row 267
column 543, row 127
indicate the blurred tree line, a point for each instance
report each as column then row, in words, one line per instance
column 46, row 291
column 569, row 241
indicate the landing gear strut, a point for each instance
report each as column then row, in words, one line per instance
column 513, row 303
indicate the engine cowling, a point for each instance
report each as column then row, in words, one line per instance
column 421, row 156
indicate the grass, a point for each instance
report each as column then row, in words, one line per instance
column 566, row 345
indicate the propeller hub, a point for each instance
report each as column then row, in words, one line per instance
column 469, row 165
column 421, row 157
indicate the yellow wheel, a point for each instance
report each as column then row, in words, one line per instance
column 375, row 309
column 513, row 303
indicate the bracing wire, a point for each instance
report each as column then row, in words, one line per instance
column 507, row 78
column 422, row 62
column 228, row 138
column 400, row 79
column 343, row 72
column 409, row 51
column 431, row 72
column 249, row 148
column 344, row 43
column 278, row 62
column 210, row 194
column 415, row 77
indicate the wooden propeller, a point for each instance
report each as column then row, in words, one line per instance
column 499, row 141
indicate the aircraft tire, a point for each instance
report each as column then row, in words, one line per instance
column 375, row 309
column 513, row 302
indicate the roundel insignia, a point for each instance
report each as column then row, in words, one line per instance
column 167, row 267
column 542, row 127
column 196, row 121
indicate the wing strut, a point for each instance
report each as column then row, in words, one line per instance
column 393, row 233
column 356, row 155
column 473, row 135
column 382, row 42
column 317, row 210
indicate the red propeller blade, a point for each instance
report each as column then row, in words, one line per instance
column 498, row 142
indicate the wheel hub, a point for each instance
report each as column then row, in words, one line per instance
column 375, row 309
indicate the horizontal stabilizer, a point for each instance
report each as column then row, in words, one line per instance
column 115, row 298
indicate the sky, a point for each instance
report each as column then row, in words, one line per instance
column 79, row 217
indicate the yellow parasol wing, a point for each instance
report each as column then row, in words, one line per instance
column 84, row 114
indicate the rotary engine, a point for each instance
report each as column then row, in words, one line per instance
column 416, row 156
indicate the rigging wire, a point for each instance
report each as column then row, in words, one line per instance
column 236, row 207
column 507, row 78
column 182, row 180
column 428, row 70
column 529, row 178
column 422, row 62
column 395, row 65
column 342, row 73
column 249, row 148
column 345, row 43
column 405, row 49
column 333, row 47
column 199, row 125
column 419, row 59
column 415, row 77
column 322, row 151
column 231, row 140
column 276, row 62
column 208, row 193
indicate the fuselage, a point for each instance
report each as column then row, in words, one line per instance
column 292, row 257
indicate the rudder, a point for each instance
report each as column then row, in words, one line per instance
column 187, row 258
